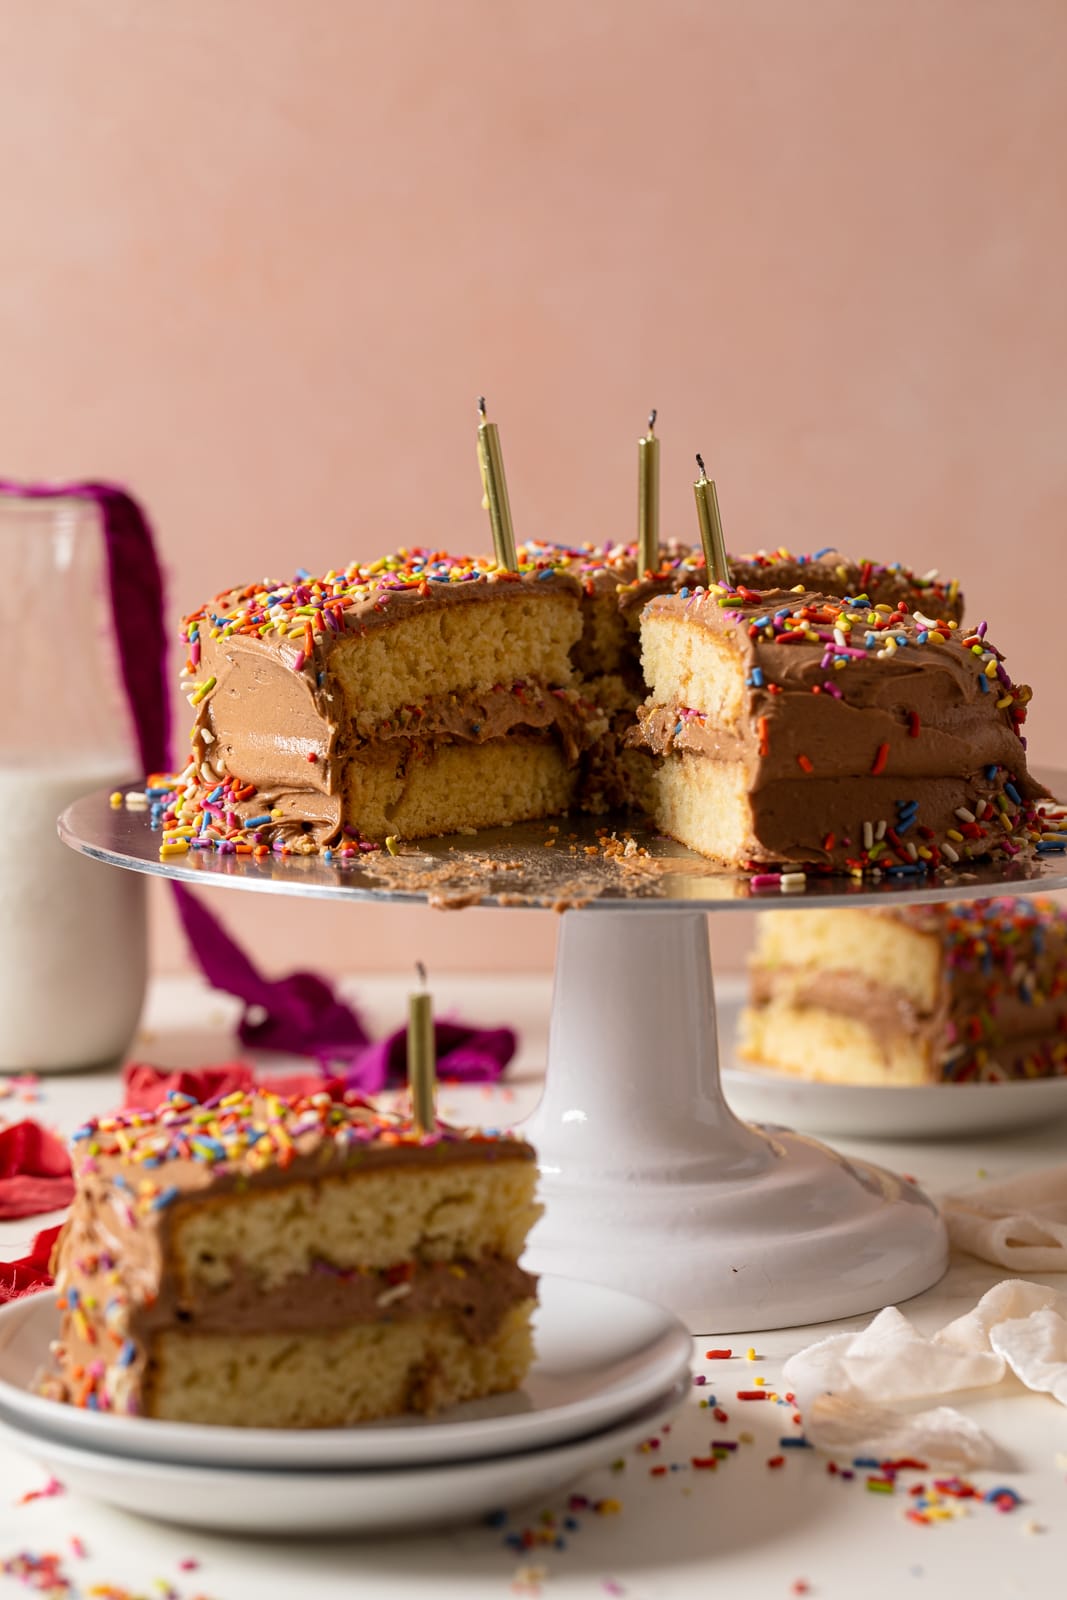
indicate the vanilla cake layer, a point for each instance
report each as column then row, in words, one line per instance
column 827, row 1047
column 465, row 646
column 939, row 993
column 706, row 805
column 371, row 1218
column 336, row 1378
column 691, row 667
column 242, row 1245
column 902, row 955
column 456, row 787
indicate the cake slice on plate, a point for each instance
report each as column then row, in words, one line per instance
column 291, row 1263
column 923, row 994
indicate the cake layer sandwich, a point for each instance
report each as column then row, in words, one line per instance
column 925, row 994
column 420, row 694
column 795, row 727
column 290, row 1263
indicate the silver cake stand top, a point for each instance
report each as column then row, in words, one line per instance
column 584, row 866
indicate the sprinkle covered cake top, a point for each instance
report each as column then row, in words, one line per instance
column 1007, row 934
column 186, row 1144
column 307, row 607
column 310, row 608
column 609, row 564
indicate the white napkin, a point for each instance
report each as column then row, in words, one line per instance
column 854, row 1388
column 1020, row 1224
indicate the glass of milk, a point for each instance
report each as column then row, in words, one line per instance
column 73, row 957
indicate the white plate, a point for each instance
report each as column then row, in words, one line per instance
column 861, row 1111
column 601, row 1355
column 233, row 1500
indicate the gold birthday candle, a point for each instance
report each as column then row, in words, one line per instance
column 648, row 500
column 495, row 491
column 711, row 536
column 422, row 1064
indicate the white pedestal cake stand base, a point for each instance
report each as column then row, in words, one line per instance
column 651, row 1183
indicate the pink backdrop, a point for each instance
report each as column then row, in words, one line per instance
column 259, row 257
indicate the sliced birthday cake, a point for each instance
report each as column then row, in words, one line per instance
column 814, row 710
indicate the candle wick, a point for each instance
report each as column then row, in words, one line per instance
column 651, row 422
column 700, row 464
column 421, row 970
column 481, row 405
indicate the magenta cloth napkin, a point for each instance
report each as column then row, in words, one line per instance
column 464, row 1055
column 300, row 1014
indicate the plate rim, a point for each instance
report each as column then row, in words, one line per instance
column 346, row 1503
column 91, row 826
column 666, row 1402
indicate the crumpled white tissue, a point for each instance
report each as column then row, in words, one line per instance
column 942, row 1437
column 1020, row 1223
column 854, row 1388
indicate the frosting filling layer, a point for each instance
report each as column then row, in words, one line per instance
column 477, row 1292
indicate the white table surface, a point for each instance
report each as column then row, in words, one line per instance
column 742, row 1532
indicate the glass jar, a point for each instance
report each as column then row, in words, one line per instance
column 73, row 956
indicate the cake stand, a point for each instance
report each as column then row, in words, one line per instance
column 650, row 1182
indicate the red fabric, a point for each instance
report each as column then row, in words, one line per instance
column 145, row 1087
column 27, row 1276
column 34, row 1171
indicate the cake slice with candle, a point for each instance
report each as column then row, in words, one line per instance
column 796, row 728
column 912, row 995
column 291, row 1263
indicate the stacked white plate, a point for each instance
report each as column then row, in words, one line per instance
column 610, row 1370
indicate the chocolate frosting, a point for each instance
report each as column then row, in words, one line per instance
column 478, row 1293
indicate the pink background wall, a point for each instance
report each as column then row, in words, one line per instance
column 259, row 257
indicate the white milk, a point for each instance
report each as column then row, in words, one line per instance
column 72, row 932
